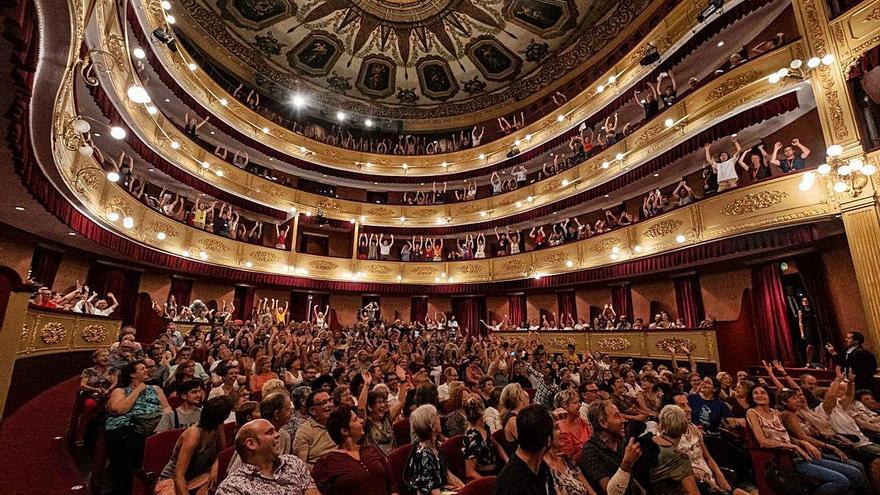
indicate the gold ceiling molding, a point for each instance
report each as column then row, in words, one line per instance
column 48, row 332
column 855, row 32
column 679, row 23
column 692, row 113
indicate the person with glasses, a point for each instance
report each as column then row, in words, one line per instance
column 589, row 392
column 312, row 440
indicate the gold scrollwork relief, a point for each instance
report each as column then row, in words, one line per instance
column 423, row 270
column 513, row 265
column 424, row 213
column 380, row 212
column 470, row 268
column 324, row 266
column 606, row 244
column 752, row 202
column 662, row 228
column 614, row 344
column 560, row 342
column 94, row 333
column 52, row 333
column 377, row 269
column 264, row 256
column 680, row 345
column 23, row 336
column 328, row 204
column 732, row 85
column 555, row 258
column 213, row 246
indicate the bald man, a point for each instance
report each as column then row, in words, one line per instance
column 264, row 469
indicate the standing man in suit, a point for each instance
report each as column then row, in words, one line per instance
column 858, row 360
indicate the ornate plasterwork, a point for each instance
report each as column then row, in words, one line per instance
column 732, row 84
column 614, row 344
column 264, row 257
column 752, row 202
column 324, row 266
column 663, row 228
column 52, row 333
column 94, row 333
column 378, row 269
column 679, row 344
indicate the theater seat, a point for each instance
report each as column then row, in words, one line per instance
column 396, row 462
column 157, row 452
column 453, row 451
column 223, row 460
column 508, row 447
column 480, row 486
column 761, row 457
column 401, row 432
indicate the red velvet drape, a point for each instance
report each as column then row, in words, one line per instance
column 622, row 301
column 181, row 289
column 866, row 63
column 770, row 320
column 566, row 305
column 468, row 311
column 812, row 271
column 418, row 308
column 689, row 300
column 44, row 266
column 517, row 309
column 123, row 283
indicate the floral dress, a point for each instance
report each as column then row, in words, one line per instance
column 425, row 469
column 479, row 449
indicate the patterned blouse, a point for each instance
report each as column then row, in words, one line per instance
column 290, row 477
column 96, row 378
column 425, row 469
column 146, row 403
column 570, row 480
column 479, row 449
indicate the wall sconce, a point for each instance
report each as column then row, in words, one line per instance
column 849, row 176
column 798, row 70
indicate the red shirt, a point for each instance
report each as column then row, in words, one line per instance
column 337, row 473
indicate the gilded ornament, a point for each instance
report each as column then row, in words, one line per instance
column 680, row 345
column 606, row 244
column 94, row 333
column 648, row 134
column 274, row 191
column 555, row 258
column 328, row 204
column 119, row 205
column 377, row 269
column 264, row 256
column 873, row 16
column 732, row 84
column 324, row 266
column 662, row 228
column 213, row 245
column 513, row 265
column 752, row 202
column 52, row 333
column 424, row 213
column 614, row 344
column 423, row 270
column 24, row 335
column 380, row 212
column 470, row 268
column 560, row 342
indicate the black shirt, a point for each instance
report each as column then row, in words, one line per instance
column 517, row 478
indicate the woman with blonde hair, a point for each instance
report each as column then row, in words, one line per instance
column 574, row 430
column 513, row 399
column 481, row 453
column 456, row 422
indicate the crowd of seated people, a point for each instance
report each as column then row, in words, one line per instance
column 77, row 300
column 384, row 406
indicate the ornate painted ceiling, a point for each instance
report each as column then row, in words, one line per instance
column 411, row 59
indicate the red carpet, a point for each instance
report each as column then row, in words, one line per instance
column 33, row 462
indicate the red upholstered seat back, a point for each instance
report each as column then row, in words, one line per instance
column 480, row 486
column 396, row 462
column 223, row 460
column 158, row 449
column 453, row 451
column 401, row 432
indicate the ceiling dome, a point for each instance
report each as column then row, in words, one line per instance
column 412, row 59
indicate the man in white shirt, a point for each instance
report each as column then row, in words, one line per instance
column 449, row 375
column 725, row 166
column 838, row 399
column 102, row 308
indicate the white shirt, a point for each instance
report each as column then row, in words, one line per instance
column 843, row 423
column 491, row 419
column 102, row 312
column 443, row 392
column 727, row 169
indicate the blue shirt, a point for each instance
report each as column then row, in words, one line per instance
column 708, row 413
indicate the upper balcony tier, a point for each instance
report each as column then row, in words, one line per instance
column 675, row 30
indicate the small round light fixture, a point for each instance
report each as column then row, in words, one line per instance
column 117, row 132
column 175, row 145
column 813, row 62
column 138, row 53
column 828, row 59
column 128, row 222
column 152, row 110
column 834, row 150
column 171, row 19
column 113, row 216
column 113, row 176
column 680, row 238
column 203, row 255
column 161, row 236
column 824, row 169
column 166, row 5
column 86, row 150
column 668, row 122
column 81, row 126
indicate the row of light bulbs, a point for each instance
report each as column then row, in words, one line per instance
column 798, row 65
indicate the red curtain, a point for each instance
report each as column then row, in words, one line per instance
column 418, row 308
column 44, row 266
column 468, row 312
column 866, row 63
column 243, row 300
column 181, row 289
column 770, row 320
column 123, row 283
column 566, row 305
column 622, row 300
column 689, row 300
column 812, row 271
column 518, row 309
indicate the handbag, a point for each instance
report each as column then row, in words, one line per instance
column 145, row 424
column 785, row 479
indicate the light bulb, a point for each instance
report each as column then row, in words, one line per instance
column 139, row 53
column 618, row 156
column 569, row 263
column 219, row 172
column 834, row 150
column 248, row 264
column 171, row 19
column 612, row 79
column 265, row 130
column 404, row 166
column 86, row 150
column 113, row 176
column 560, row 118
column 203, row 255
column 192, row 66
column 856, row 164
column 175, row 145
column 516, row 143
column 117, row 132
column 828, row 59
column 483, row 214
column 298, row 101
column 796, row 64
column 113, row 216
column 869, row 169
column 824, row 169
column 605, row 164
column 152, row 110
column 166, row 5
column 637, row 249
column 782, row 72
column 482, row 156
column 720, row 44
column 840, row 186
column 340, row 115
column 680, row 238
column 564, row 182
column 185, row 252
column 668, row 122
column 773, row 78
column 528, row 137
column 600, row 88
column 844, row 170
column 128, row 222
column 615, row 249
column 805, row 186
column 224, row 101
column 368, row 123
column 161, row 236
column 81, row 126
column 205, row 164
column 813, row 62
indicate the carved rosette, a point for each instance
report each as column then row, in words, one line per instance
column 469, row 268
column 328, row 204
column 423, row 270
column 662, row 228
column 94, row 333
column 680, row 345
column 614, row 344
column 52, row 333
column 753, row 202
